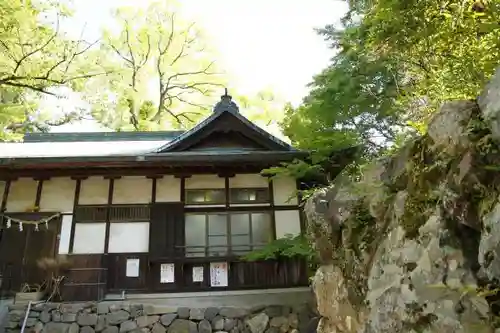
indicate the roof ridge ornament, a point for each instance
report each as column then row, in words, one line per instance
column 226, row 103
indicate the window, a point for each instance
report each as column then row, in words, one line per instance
column 126, row 237
column 249, row 195
column 206, row 197
column 89, row 238
column 222, row 234
column 236, row 196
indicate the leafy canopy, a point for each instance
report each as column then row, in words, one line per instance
column 36, row 61
column 395, row 62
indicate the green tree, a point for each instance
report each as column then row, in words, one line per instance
column 38, row 61
column 395, row 62
column 165, row 75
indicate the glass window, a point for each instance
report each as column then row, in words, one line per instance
column 217, row 235
column 195, row 230
column 201, row 197
column 223, row 234
column 249, row 195
column 261, row 229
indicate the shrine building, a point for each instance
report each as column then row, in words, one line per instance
column 150, row 213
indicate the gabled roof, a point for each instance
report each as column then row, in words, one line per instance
column 222, row 137
column 225, row 118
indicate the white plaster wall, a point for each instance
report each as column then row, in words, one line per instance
column 168, row 189
column 128, row 237
column 248, row 181
column 65, row 234
column 22, row 195
column 287, row 222
column 94, row 191
column 204, row 182
column 89, row 238
column 132, row 190
column 58, row 195
column 284, row 190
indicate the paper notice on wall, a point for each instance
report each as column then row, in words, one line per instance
column 198, row 274
column 167, row 273
column 218, row 274
column 132, row 269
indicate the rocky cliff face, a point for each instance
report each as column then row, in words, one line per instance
column 415, row 245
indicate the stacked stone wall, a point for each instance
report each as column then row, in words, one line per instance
column 108, row 317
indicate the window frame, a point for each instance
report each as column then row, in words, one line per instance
column 229, row 252
column 205, row 203
column 233, row 196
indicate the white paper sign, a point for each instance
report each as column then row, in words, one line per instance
column 132, row 269
column 198, row 274
column 218, row 274
column 167, row 273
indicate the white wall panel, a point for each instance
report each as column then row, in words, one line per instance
column 285, row 191
column 22, row 195
column 58, row 195
column 132, row 190
column 204, row 182
column 248, row 181
column 168, row 189
column 65, row 234
column 287, row 223
column 89, row 238
column 128, row 237
column 94, row 191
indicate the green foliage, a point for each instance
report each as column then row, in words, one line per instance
column 161, row 62
column 396, row 61
column 36, row 62
column 288, row 246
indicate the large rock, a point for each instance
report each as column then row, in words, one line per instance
column 183, row 313
column 448, row 128
column 111, row 329
column 128, row 326
column 332, row 297
column 183, row 326
column 258, row 323
column 146, row 321
column 167, row 319
column 158, row 328
column 489, row 102
column 218, row 323
column 45, row 317
column 210, row 313
column 68, row 317
column 117, row 317
column 102, row 308
column 204, row 326
column 87, row 329
column 197, row 314
column 87, row 319
column 56, row 328
column 101, row 323
column 489, row 247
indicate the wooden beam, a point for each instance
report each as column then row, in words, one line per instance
column 78, row 186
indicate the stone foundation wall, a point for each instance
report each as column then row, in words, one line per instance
column 138, row 318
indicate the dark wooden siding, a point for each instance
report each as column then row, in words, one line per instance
column 166, row 233
column 86, row 279
column 117, row 278
column 20, row 251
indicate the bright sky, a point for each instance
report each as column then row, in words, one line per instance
column 263, row 44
